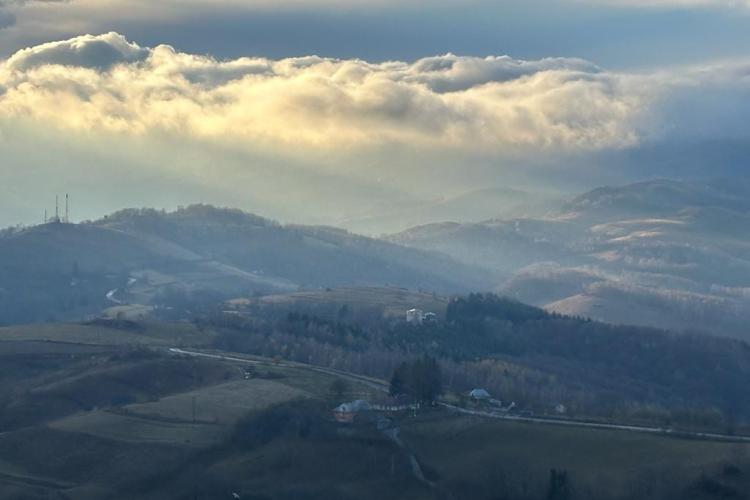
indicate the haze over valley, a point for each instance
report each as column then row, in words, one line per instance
column 409, row 250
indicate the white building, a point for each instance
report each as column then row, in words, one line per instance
column 414, row 316
column 479, row 394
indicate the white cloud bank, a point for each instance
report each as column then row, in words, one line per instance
column 300, row 135
column 106, row 83
column 493, row 106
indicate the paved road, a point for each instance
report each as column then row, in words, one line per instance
column 369, row 382
column 595, row 425
column 383, row 387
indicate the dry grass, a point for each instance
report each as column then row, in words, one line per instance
column 135, row 429
column 222, row 404
column 600, row 461
column 394, row 301
column 170, row 419
column 131, row 312
column 156, row 334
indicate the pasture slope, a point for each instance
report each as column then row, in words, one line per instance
column 125, row 413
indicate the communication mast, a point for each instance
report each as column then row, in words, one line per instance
column 58, row 218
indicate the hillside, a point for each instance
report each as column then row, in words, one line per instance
column 105, row 411
column 65, row 271
column 518, row 352
column 349, row 301
column 670, row 247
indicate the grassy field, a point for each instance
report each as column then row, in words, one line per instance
column 87, row 414
column 145, row 333
column 133, row 312
column 221, row 404
column 170, row 419
column 392, row 301
column 11, row 348
column 500, row 455
column 137, row 429
column 89, row 466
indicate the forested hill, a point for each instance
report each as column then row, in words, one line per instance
column 63, row 271
column 304, row 256
column 520, row 353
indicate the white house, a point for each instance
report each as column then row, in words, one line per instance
column 414, row 316
column 345, row 412
column 479, row 394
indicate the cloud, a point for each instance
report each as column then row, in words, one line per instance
column 293, row 137
column 94, row 52
column 106, row 83
column 373, row 122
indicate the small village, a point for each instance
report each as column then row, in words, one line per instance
column 475, row 400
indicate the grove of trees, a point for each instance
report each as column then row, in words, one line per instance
column 420, row 379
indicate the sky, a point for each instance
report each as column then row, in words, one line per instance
column 317, row 111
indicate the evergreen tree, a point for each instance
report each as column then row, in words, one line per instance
column 421, row 379
column 398, row 382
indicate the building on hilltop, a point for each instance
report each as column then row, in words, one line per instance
column 414, row 316
column 418, row 316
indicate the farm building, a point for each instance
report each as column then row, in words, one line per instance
column 414, row 316
column 429, row 317
column 479, row 394
column 346, row 412
column 418, row 316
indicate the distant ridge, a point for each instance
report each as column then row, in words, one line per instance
column 662, row 253
column 225, row 251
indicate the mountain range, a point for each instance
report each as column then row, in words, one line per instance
column 663, row 253
column 660, row 253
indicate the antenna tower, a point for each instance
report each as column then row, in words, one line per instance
column 67, row 213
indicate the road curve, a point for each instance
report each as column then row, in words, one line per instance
column 375, row 384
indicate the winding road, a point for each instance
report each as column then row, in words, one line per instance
column 382, row 386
